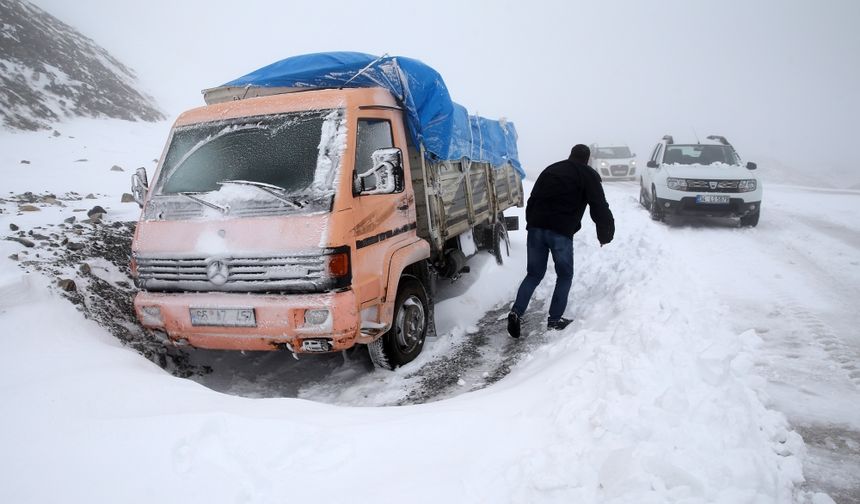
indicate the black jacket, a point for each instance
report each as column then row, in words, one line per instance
column 559, row 196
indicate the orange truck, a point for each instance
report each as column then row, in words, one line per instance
column 311, row 219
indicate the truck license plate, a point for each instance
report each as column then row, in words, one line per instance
column 712, row 199
column 225, row 317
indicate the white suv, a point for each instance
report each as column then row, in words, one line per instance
column 613, row 162
column 705, row 179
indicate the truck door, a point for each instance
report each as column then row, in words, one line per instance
column 382, row 221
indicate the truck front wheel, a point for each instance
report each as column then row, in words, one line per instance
column 404, row 341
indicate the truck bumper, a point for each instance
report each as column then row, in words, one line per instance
column 279, row 321
column 687, row 206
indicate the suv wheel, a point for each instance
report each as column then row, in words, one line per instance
column 750, row 220
column 642, row 197
column 655, row 210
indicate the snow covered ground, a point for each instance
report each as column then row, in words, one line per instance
column 700, row 355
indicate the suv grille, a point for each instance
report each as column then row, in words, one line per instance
column 237, row 274
column 617, row 170
column 719, row 186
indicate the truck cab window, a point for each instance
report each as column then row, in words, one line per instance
column 372, row 134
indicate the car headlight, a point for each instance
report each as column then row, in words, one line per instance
column 747, row 185
column 632, row 162
column 603, row 163
column 677, row 184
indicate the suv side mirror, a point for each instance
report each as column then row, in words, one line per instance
column 386, row 176
column 652, row 164
column 139, row 186
column 751, row 166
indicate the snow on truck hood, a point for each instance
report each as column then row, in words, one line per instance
column 719, row 171
column 259, row 235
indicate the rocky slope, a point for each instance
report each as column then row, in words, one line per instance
column 49, row 71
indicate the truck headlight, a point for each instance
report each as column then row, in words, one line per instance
column 747, row 185
column 677, row 184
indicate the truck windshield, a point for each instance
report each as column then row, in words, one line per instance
column 612, row 152
column 700, row 154
column 286, row 151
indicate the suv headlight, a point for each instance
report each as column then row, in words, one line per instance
column 747, row 185
column 677, row 184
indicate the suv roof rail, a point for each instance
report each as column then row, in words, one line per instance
column 718, row 138
column 668, row 139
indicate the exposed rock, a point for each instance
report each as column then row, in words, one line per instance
column 24, row 161
column 127, row 198
column 116, row 168
column 37, row 236
column 85, row 269
column 13, row 227
column 50, row 71
column 82, row 160
column 90, row 196
column 56, row 133
column 28, row 208
column 96, row 210
column 14, row 257
column 23, row 241
column 75, row 246
column 67, row 284
column 70, row 220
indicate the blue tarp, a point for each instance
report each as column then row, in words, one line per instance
column 445, row 128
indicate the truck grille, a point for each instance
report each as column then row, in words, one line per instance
column 236, row 274
column 718, row 186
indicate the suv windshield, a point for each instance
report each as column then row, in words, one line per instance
column 612, row 152
column 700, row 154
column 287, row 151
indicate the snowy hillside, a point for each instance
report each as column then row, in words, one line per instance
column 701, row 359
column 49, row 72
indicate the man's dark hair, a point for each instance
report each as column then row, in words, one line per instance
column 580, row 153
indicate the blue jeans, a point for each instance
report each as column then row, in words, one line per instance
column 542, row 242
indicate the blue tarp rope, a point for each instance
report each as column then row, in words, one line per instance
column 443, row 127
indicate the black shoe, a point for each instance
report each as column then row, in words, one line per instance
column 514, row 325
column 557, row 325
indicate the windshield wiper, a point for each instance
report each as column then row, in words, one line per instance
column 272, row 190
column 192, row 196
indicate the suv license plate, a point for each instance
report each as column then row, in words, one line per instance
column 225, row 317
column 712, row 199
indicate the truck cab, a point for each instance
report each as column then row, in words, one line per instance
column 290, row 221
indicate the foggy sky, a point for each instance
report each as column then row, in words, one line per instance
column 779, row 78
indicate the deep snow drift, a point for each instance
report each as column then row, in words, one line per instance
column 661, row 391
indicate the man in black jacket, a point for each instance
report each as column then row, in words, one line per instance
column 553, row 214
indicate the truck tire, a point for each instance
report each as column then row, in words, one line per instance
column 654, row 209
column 751, row 220
column 501, row 245
column 404, row 341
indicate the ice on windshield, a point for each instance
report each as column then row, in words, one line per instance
column 297, row 152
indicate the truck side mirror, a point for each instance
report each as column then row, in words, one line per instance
column 751, row 166
column 652, row 164
column 139, row 186
column 386, row 176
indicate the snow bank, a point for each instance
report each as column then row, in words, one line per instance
column 648, row 397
